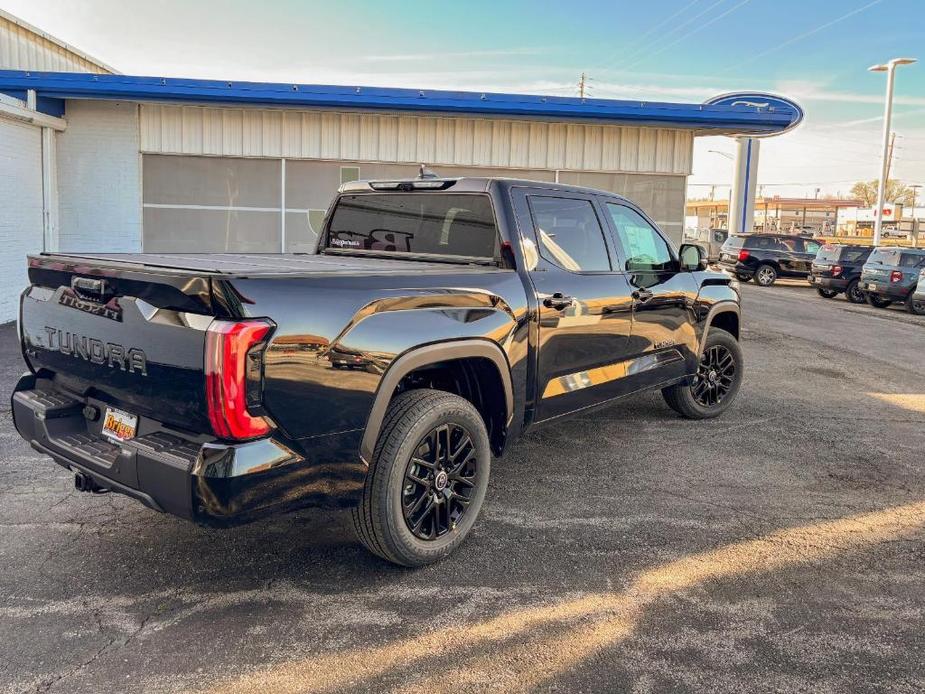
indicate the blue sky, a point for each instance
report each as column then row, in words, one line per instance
column 816, row 51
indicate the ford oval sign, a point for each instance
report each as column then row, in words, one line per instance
column 763, row 102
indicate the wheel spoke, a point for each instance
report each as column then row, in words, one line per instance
column 445, row 462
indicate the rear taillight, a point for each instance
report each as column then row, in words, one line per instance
column 896, row 276
column 836, row 270
column 743, row 256
column 234, row 371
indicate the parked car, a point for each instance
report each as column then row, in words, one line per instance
column 765, row 257
column 891, row 275
column 917, row 300
column 711, row 240
column 837, row 269
column 207, row 386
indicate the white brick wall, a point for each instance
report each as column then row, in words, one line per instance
column 20, row 209
column 99, row 178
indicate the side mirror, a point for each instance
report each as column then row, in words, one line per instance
column 692, row 257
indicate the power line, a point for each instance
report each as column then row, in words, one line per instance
column 802, row 36
column 698, row 29
column 634, row 46
column 641, row 50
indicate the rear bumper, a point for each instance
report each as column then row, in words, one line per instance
column 834, row 283
column 736, row 268
column 892, row 291
column 202, row 480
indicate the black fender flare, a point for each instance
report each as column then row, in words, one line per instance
column 417, row 357
column 715, row 310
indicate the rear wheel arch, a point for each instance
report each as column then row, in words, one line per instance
column 475, row 369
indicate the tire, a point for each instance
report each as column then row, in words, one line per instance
column 915, row 306
column 826, row 293
column 877, row 302
column 765, row 275
column 380, row 519
column 854, row 294
column 687, row 399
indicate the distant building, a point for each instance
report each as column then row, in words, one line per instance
column 91, row 161
column 776, row 214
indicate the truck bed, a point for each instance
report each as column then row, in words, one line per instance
column 260, row 264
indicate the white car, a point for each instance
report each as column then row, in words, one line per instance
column 917, row 300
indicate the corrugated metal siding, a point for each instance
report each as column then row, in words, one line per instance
column 23, row 49
column 411, row 139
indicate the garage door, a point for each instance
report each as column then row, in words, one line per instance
column 20, row 208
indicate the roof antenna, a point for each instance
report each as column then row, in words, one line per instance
column 426, row 173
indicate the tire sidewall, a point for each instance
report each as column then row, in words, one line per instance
column 412, row 550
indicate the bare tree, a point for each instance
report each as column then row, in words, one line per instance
column 896, row 191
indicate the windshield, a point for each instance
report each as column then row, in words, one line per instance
column 415, row 223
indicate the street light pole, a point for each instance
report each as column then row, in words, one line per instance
column 890, row 70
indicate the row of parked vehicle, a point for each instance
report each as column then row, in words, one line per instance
column 878, row 276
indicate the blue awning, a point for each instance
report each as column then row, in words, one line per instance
column 740, row 119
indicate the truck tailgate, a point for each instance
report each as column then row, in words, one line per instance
column 133, row 338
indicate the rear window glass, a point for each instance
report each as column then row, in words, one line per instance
column 733, row 242
column 829, row 253
column 442, row 224
column 855, row 255
column 845, row 254
column 884, row 256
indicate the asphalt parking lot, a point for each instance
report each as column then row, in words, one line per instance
column 780, row 548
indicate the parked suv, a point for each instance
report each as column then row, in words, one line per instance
column 837, row 269
column 892, row 274
column 765, row 257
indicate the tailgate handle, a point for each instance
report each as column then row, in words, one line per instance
column 90, row 288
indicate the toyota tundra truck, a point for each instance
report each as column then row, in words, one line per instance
column 437, row 320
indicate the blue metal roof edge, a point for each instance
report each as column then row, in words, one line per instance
column 78, row 85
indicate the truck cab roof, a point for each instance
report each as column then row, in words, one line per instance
column 465, row 184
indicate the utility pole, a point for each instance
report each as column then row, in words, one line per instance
column 582, row 82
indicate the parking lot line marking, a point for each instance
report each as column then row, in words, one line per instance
column 521, row 660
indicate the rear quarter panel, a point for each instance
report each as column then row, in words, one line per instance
column 337, row 336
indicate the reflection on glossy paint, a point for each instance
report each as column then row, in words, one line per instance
column 610, row 372
column 537, row 644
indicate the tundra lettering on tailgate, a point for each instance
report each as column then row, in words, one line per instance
column 96, row 351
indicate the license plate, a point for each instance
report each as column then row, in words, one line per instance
column 871, row 287
column 811, row 279
column 119, row 425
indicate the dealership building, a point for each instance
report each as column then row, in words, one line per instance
column 92, row 160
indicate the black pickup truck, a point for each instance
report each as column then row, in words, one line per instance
column 438, row 319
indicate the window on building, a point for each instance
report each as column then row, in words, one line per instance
column 569, row 233
column 643, row 246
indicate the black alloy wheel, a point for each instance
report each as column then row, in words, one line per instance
column 854, row 294
column 715, row 376
column 439, row 481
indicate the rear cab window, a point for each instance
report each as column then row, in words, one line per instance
column 453, row 226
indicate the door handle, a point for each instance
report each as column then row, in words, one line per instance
column 642, row 295
column 558, row 301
